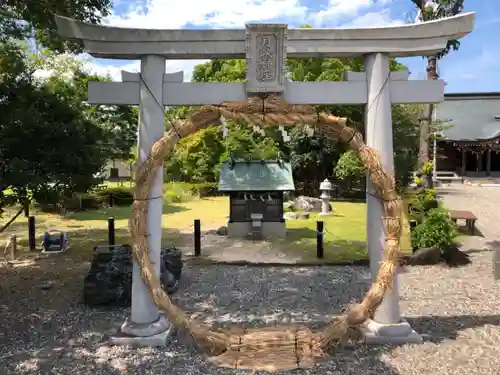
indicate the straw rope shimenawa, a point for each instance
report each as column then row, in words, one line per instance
column 283, row 347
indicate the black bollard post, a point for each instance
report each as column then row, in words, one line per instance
column 110, row 200
column 31, row 233
column 27, row 209
column 319, row 239
column 413, row 224
column 197, row 237
column 111, row 231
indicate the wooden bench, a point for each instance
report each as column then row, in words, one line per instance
column 469, row 217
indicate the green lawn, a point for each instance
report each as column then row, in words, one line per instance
column 344, row 239
column 344, row 234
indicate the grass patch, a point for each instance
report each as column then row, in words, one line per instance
column 344, row 234
column 344, row 239
column 87, row 229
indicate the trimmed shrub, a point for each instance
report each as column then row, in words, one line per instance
column 200, row 189
column 172, row 196
column 205, row 189
column 122, row 196
column 81, row 202
column 178, row 192
column 420, row 202
column 436, row 230
column 174, row 192
column 46, row 198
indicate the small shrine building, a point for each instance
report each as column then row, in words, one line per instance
column 255, row 190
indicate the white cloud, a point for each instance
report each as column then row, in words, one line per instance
column 345, row 8
column 374, row 19
column 114, row 71
column 169, row 14
column 172, row 14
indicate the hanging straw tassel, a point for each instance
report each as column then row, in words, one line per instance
column 225, row 130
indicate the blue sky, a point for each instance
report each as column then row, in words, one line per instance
column 471, row 69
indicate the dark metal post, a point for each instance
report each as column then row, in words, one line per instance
column 31, row 233
column 412, row 224
column 111, row 231
column 13, row 247
column 197, row 237
column 27, row 209
column 319, row 239
column 110, row 200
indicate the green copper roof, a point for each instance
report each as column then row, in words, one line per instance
column 256, row 176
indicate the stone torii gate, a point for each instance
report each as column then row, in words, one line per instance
column 266, row 47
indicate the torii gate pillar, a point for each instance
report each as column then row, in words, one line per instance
column 387, row 326
column 146, row 326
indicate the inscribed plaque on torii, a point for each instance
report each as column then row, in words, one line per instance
column 265, row 50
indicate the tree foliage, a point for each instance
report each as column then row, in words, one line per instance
column 52, row 143
column 197, row 157
column 349, row 167
column 437, row 9
column 47, row 145
column 34, row 19
column 69, row 80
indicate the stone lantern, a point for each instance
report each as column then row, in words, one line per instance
column 326, row 188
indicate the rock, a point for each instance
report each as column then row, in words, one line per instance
column 172, row 258
column 426, row 256
column 291, row 215
column 304, row 203
column 454, row 257
column 222, row 231
column 109, row 280
column 45, row 286
column 304, row 215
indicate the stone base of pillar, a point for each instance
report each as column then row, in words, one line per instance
column 399, row 333
column 157, row 333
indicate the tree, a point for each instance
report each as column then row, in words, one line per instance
column 21, row 19
column 48, row 143
column 47, row 146
column 431, row 10
column 405, row 132
column 52, row 143
column 350, row 168
column 69, row 79
column 312, row 158
column 197, row 158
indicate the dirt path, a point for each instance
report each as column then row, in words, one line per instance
column 223, row 249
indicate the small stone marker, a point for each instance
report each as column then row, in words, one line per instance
column 496, row 264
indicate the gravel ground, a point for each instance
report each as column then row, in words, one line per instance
column 456, row 311
column 481, row 201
